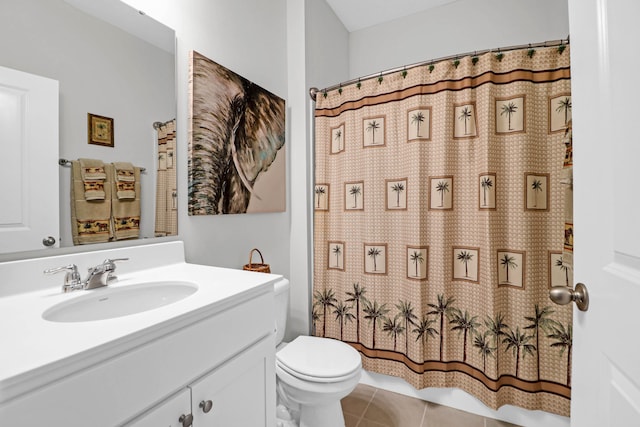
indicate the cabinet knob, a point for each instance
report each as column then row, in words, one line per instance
column 186, row 420
column 206, row 406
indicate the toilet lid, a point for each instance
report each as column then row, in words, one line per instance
column 320, row 358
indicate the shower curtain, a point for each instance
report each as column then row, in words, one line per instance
column 440, row 225
column 166, row 195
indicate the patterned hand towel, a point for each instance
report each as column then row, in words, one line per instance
column 93, row 177
column 90, row 219
column 125, row 180
column 125, row 212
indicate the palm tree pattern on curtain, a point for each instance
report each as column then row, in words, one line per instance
column 166, row 195
column 489, row 328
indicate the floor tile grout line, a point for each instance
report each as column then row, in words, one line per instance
column 362, row 417
column 424, row 415
column 366, row 407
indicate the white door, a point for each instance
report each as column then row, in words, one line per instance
column 606, row 140
column 29, row 154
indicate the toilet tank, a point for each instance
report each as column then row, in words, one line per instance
column 281, row 295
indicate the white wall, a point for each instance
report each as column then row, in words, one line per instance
column 286, row 46
column 317, row 56
column 249, row 37
column 459, row 27
column 101, row 70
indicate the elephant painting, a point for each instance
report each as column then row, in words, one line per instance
column 236, row 134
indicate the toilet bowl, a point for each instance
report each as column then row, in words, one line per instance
column 313, row 374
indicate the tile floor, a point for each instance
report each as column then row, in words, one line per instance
column 368, row 406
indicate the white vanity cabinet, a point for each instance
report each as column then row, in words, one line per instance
column 237, row 393
column 149, row 369
column 234, row 394
column 173, row 412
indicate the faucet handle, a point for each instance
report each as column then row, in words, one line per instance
column 72, row 278
column 110, row 264
column 110, row 267
column 71, row 270
column 116, row 259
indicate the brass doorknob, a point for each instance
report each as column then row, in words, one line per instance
column 563, row 295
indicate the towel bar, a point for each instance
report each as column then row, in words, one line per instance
column 65, row 162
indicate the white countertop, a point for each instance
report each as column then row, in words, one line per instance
column 35, row 351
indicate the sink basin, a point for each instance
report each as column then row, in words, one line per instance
column 108, row 303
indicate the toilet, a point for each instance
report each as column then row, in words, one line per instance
column 312, row 373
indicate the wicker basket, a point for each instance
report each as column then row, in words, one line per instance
column 260, row 268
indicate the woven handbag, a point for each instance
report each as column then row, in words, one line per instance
column 260, row 268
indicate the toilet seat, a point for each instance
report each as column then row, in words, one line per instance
column 317, row 359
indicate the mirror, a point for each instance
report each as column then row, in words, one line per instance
column 110, row 60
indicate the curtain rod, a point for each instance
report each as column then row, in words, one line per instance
column 157, row 125
column 314, row 90
column 65, row 162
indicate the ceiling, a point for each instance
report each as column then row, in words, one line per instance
column 359, row 14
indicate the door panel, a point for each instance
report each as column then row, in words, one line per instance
column 606, row 374
column 29, row 173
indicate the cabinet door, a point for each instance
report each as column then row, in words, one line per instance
column 167, row 413
column 239, row 393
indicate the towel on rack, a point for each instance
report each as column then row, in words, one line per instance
column 125, row 180
column 93, row 177
column 125, row 212
column 90, row 219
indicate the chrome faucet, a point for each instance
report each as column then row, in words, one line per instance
column 71, row 278
column 99, row 276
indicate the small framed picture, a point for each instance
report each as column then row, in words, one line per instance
column 100, row 130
